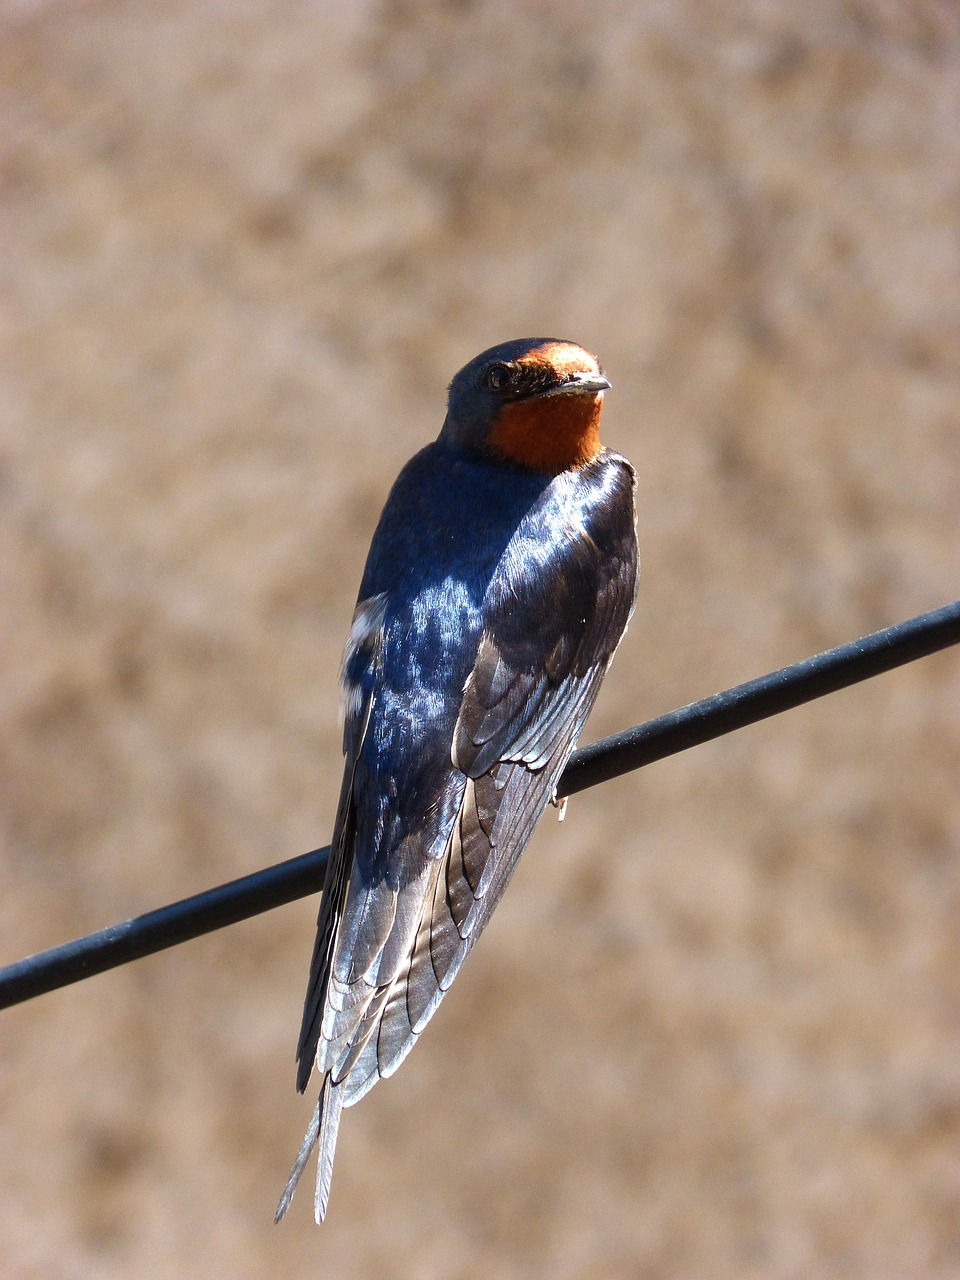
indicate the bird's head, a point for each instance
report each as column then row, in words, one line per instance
column 533, row 401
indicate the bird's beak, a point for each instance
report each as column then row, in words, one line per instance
column 580, row 384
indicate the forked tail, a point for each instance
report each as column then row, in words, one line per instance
column 322, row 1130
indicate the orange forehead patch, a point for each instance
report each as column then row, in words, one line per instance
column 550, row 433
column 565, row 357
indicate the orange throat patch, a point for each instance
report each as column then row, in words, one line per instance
column 550, row 433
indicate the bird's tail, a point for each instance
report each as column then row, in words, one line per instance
column 321, row 1131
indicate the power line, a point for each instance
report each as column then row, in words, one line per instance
column 632, row 749
column 766, row 696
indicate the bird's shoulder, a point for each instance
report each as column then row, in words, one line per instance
column 447, row 509
column 578, row 536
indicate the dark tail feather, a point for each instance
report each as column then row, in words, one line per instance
column 323, row 1130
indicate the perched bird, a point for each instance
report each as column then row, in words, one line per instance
column 500, row 580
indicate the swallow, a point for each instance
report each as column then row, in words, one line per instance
column 500, row 580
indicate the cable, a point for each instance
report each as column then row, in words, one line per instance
column 766, row 696
column 632, row 749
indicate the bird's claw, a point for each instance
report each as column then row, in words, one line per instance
column 560, row 804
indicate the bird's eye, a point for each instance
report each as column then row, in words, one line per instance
column 500, row 375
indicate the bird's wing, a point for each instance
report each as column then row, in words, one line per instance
column 363, row 653
column 550, row 628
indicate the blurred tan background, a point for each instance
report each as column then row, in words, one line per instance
column 714, row 1029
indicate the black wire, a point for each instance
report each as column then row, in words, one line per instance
column 766, row 696
column 699, row 722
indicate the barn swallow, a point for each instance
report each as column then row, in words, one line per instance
column 499, row 582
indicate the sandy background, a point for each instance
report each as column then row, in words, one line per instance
column 714, row 1029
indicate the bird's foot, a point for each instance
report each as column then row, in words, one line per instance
column 560, row 804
